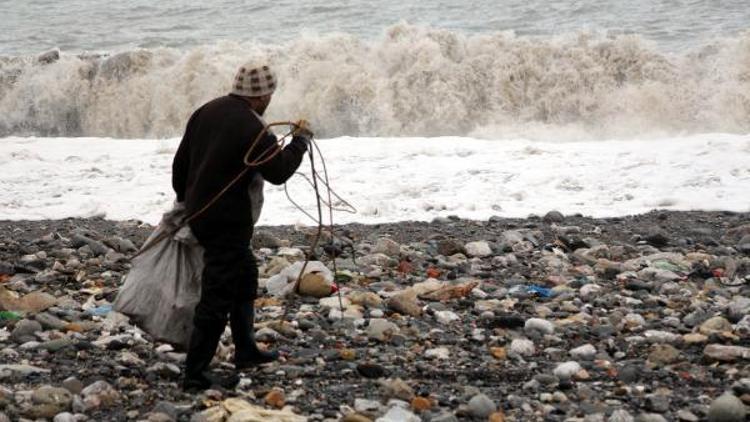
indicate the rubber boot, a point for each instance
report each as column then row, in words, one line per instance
column 200, row 352
column 246, row 351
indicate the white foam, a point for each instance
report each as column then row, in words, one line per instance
column 395, row 179
column 411, row 81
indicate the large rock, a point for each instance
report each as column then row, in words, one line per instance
column 449, row 247
column 315, row 285
column 481, row 406
column 398, row 414
column 586, row 352
column 366, row 299
column 387, row 247
column 49, row 401
column 478, row 249
column 738, row 308
column 522, row 347
column 538, row 325
column 663, row 354
column 396, row 388
column 24, row 330
column 14, row 371
column 727, row 408
column 381, row 329
column 99, row 395
column 567, row 370
column 33, row 302
column 405, row 303
column 715, row 325
column 724, row 353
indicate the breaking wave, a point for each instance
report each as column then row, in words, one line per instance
column 411, row 81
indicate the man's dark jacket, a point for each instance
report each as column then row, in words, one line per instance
column 211, row 154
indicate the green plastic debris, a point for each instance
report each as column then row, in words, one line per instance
column 8, row 315
column 666, row 265
column 343, row 277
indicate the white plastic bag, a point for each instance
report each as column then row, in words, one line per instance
column 163, row 286
column 161, row 290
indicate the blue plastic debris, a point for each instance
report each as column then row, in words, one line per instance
column 100, row 310
column 540, row 291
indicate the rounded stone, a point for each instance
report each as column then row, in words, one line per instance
column 727, row 408
column 538, row 325
column 481, row 406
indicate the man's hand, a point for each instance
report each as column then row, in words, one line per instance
column 303, row 129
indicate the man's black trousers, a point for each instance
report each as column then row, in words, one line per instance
column 229, row 284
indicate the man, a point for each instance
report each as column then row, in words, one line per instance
column 210, row 155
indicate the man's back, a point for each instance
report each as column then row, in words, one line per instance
column 211, row 154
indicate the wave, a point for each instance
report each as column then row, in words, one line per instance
column 411, row 81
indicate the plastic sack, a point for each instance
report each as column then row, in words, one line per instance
column 163, row 286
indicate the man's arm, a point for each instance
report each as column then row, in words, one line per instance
column 281, row 167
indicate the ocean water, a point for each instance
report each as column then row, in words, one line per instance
column 425, row 108
column 534, row 69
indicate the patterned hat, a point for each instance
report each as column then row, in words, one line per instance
column 254, row 81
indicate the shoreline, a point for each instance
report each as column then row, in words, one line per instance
column 548, row 318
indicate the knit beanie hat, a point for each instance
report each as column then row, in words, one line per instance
column 254, row 81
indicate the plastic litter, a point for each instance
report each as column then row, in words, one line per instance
column 539, row 291
column 102, row 310
column 9, row 315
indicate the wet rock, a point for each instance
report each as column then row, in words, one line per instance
column 48, row 57
column 479, row 249
column 387, row 247
column 584, row 353
column 50, row 321
column 663, row 354
column 275, row 398
column 405, row 303
column 398, row 414
column 657, row 403
column 367, row 406
column 73, row 385
column 620, row 415
column 481, row 406
column 657, row 237
column 522, row 347
column 49, row 401
column 165, row 370
column 381, row 329
column 366, row 299
column 567, row 370
column 450, row 247
column 650, row 417
column 97, row 247
column 65, row 417
column 446, row 317
column 715, row 325
column 438, row 353
column 396, row 388
column 315, row 285
column 738, row 308
column 99, row 395
column 687, row 416
column 371, row 370
column 553, row 217
column 727, row 408
column 538, row 326
column 726, row 353
column 24, row 331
